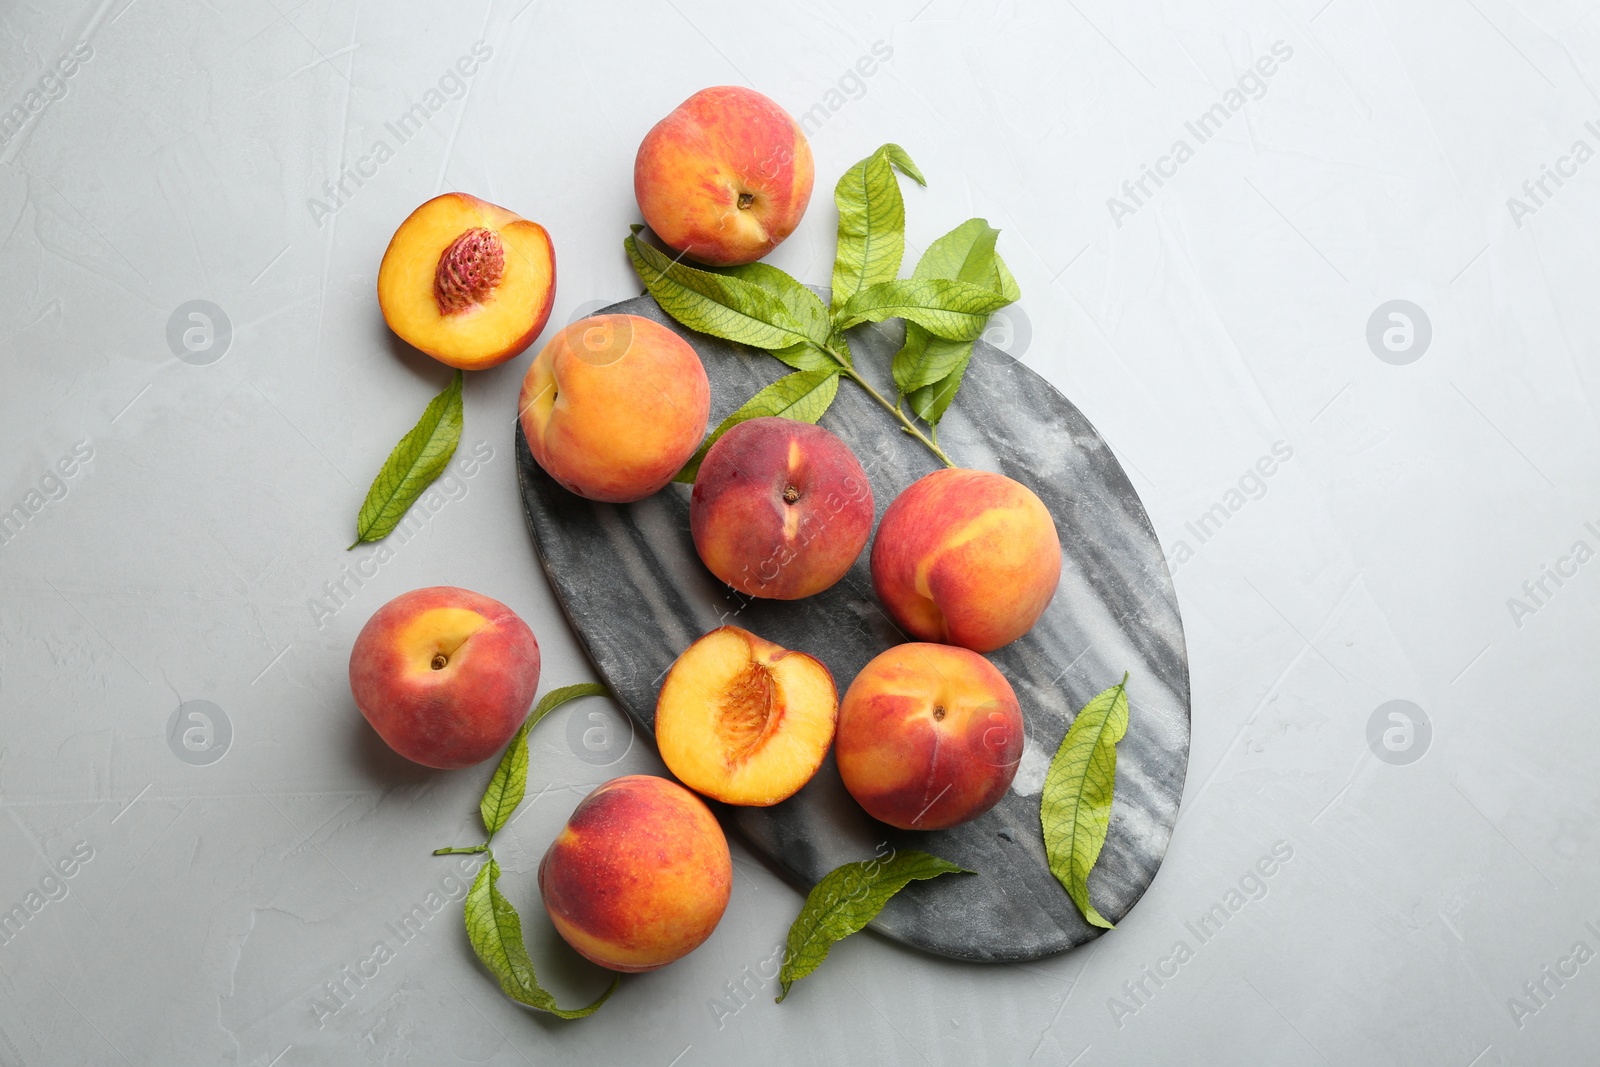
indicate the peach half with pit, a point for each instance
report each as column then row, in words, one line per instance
column 467, row 282
column 743, row 720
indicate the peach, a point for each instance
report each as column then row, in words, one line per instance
column 614, row 405
column 467, row 282
column 966, row 557
column 929, row 736
column 725, row 177
column 445, row 675
column 743, row 720
column 780, row 508
column 639, row 876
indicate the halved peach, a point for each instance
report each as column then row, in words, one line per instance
column 467, row 282
column 745, row 721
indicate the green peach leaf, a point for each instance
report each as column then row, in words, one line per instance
column 804, row 356
column 953, row 310
column 1075, row 807
column 925, row 359
column 899, row 158
column 495, row 930
column 510, row 782
column 840, row 344
column 804, row 306
column 967, row 254
column 1004, row 283
column 931, row 401
column 719, row 304
column 928, row 369
column 872, row 222
column 419, row 458
column 803, row 395
column 846, row 899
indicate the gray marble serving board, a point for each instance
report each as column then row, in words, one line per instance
column 636, row 594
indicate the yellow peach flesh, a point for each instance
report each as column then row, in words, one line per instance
column 494, row 326
column 743, row 720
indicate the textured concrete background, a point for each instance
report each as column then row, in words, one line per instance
column 1424, row 534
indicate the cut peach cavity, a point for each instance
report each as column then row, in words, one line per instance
column 743, row 720
column 467, row 282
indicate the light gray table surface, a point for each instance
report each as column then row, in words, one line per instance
column 1428, row 532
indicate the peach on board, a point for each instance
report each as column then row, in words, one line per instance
column 614, row 405
column 639, row 876
column 445, row 675
column 929, row 736
column 467, row 282
column 966, row 557
column 743, row 720
column 725, row 177
column 780, row 508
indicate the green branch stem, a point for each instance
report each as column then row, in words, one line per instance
column 906, row 425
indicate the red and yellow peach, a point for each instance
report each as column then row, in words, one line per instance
column 725, row 177
column 614, row 405
column 929, row 736
column 639, row 876
column 966, row 557
column 780, row 508
column 445, row 675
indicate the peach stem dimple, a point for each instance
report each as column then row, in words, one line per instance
column 468, row 270
column 439, row 661
column 938, row 713
column 790, row 494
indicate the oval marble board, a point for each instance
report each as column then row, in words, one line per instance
column 629, row 581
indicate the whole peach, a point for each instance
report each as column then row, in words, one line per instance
column 967, row 557
column 929, row 736
column 445, row 675
column 725, row 177
column 639, row 876
column 780, row 508
column 614, row 405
